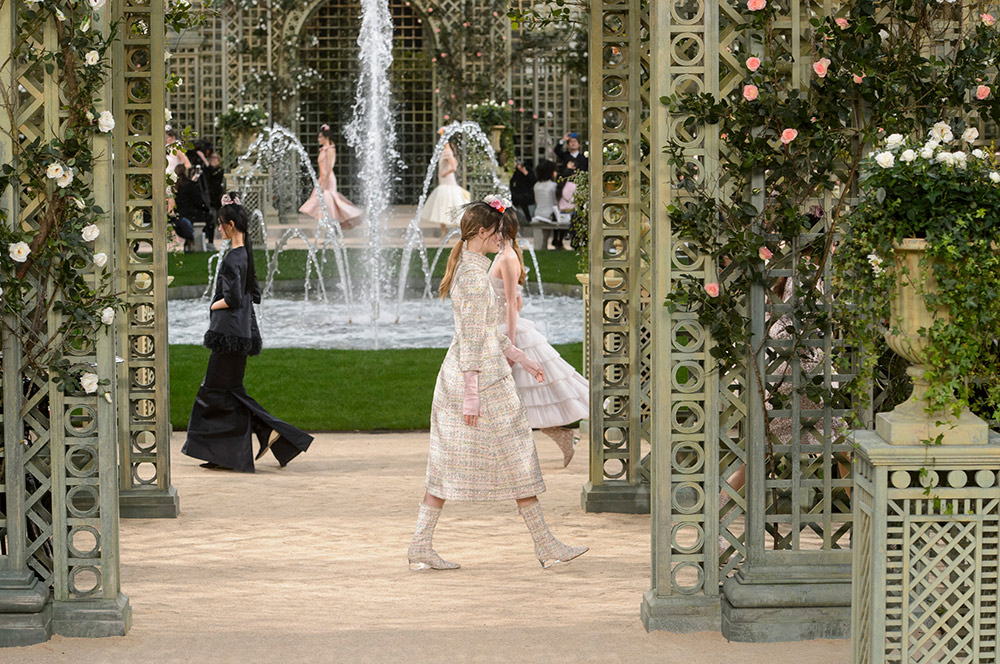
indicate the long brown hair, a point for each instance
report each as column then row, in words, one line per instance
column 510, row 228
column 474, row 216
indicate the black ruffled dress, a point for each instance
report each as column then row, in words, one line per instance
column 225, row 418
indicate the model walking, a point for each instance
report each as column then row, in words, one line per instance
column 481, row 446
column 224, row 418
column 444, row 203
column 337, row 205
column 564, row 398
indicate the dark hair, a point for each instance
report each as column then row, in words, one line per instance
column 205, row 145
column 170, row 131
column 325, row 130
column 181, row 172
column 237, row 215
column 546, row 171
column 474, row 216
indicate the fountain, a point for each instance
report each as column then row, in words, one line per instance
column 371, row 134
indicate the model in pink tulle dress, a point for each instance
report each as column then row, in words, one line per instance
column 564, row 398
column 337, row 205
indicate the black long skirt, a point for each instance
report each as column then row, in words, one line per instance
column 225, row 419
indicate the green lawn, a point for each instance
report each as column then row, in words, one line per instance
column 557, row 267
column 330, row 390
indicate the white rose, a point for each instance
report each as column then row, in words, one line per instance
column 96, row 4
column 66, row 179
column 78, row 203
column 92, row 58
column 167, row 55
column 894, row 141
column 1, row 292
column 970, row 134
column 60, row 15
column 926, row 153
column 90, row 232
column 960, row 159
column 885, row 159
column 180, row 81
column 995, row 177
column 108, row 316
column 106, row 122
column 946, row 158
column 978, row 154
column 19, row 251
column 167, row 115
column 88, row 381
column 54, row 171
column 941, row 131
column 908, row 156
column 90, row 116
column 883, row 34
column 101, row 259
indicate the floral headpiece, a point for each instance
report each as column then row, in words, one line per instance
column 440, row 131
column 227, row 200
column 497, row 203
column 325, row 127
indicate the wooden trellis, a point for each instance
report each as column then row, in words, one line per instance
column 59, row 570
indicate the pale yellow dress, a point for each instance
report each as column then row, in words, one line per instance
column 496, row 459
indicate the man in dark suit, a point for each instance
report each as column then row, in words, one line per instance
column 568, row 150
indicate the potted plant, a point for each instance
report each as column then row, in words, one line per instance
column 920, row 265
column 240, row 125
column 494, row 119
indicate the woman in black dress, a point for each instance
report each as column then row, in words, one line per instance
column 224, row 418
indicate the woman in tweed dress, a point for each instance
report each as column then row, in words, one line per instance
column 481, row 444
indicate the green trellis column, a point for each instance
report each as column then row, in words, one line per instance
column 61, row 571
column 684, row 594
column 620, row 265
column 141, row 236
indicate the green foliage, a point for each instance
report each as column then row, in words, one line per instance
column 789, row 172
column 580, row 223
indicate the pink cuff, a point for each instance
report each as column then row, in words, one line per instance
column 470, row 404
column 515, row 354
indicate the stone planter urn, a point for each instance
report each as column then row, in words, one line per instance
column 496, row 133
column 242, row 142
column 910, row 423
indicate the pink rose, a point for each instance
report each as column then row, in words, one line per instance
column 764, row 253
column 821, row 66
column 789, row 135
column 858, row 78
column 756, row 5
column 842, row 23
column 982, row 92
column 753, row 64
column 750, row 92
column 987, row 19
column 713, row 288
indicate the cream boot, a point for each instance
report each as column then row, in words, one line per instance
column 548, row 549
column 421, row 555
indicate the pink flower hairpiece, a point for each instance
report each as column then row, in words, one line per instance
column 325, row 127
column 227, row 200
column 497, row 203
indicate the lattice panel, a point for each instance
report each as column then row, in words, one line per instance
column 142, row 245
column 334, row 24
column 619, row 240
column 929, row 560
column 59, row 454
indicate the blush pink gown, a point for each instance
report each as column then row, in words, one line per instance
column 337, row 205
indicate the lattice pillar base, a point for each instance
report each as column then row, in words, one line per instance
column 140, row 504
column 680, row 613
column 619, row 498
column 92, row 619
column 926, row 552
column 763, row 608
column 25, row 613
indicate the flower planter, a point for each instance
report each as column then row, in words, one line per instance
column 910, row 423
column 496, row 133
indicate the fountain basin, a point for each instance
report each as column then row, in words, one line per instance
column 287, row 322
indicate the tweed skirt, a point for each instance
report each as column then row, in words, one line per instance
column 496, row 459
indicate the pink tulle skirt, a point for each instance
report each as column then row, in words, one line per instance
column 337, row 207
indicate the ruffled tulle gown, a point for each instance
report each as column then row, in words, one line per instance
column 441, row 207
column 564, row 397
column 337, row 205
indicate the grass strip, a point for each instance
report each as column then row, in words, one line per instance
column 331, row 390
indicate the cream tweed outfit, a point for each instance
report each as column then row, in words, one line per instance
column 496, row 459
